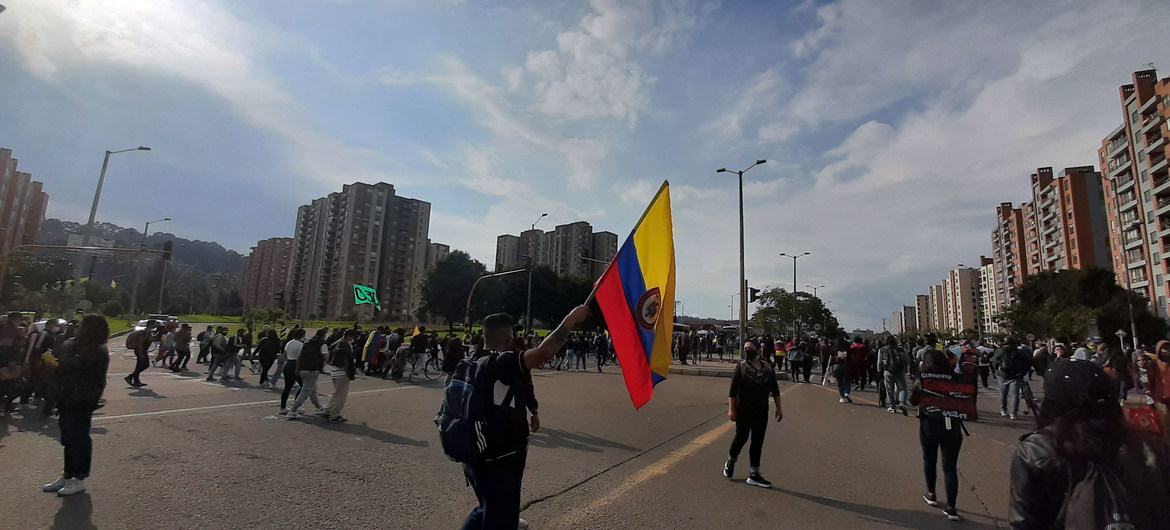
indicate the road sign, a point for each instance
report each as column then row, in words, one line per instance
column 1121, row 333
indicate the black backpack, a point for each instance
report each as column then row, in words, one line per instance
column 896, row 362
column 1099, row 500
column 463, row 416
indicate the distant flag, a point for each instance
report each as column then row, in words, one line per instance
column 636, row 296
column 415, row 332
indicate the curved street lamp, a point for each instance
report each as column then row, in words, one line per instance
column 742, row 279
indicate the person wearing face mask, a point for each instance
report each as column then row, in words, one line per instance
column 751, row 385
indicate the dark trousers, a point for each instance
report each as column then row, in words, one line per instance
column 934, row 436
column 291, row 377
column 74, row 421
column 794, row 370
column 139, row 367
column 266, row 361
column 984, row 371
column 497, row 487
column 181, row 360
column 753, row 425
column 807, row 367
column 841, row 372
column 204, row 351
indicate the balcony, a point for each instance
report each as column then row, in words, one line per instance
column 1158, row 162
column 1161, row 184
column 1116, row 146
column 1155, row 141
column 1150, row 120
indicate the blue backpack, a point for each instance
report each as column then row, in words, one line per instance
column 462, row 420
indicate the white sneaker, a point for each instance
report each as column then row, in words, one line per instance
column 1012, row 417
column 72, row 486
column 890, row 410
column 842, row 400
column 523, row 525
column 292, row 415
column 1002, row 412
column 56, row 485
column 283, row 412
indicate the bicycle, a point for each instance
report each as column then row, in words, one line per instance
column 405, row 363
column 1029, row 399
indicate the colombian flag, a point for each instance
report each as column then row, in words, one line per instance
column 636, row 296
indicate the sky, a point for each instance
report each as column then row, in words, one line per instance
column 891, row 129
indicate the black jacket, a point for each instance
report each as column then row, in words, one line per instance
column 1042, row 479
column 82, row 373
column 311, row 359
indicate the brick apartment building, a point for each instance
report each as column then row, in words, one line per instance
column 265, row 274
column 1137, row 188
column 560, row 249
column 23, row 204
column 366, row 235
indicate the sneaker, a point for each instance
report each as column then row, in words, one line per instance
column 1012, row 417
column 930, row 499
column 138, row 384
column 56, row 485
column 1002, row 412
column 952, row 513
column 283, row 412
column 849, row 399
column 72, row 486
column 842, row 400
column 905, row 412
column 321, row 412
column 292, row 415
column 522, row 525
column 728, row 468
column 890, row 410
column 210, row 379
column 129, row 380
column 337, row 419
column 755, row 479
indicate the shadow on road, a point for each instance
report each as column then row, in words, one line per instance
column 554, row 439
column 144, row 392
column 75, row 513
column 369, row 432
column 887, row 516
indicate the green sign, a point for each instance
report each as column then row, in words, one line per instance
column 365, row 295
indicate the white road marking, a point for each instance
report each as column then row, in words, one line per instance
column 231, row 405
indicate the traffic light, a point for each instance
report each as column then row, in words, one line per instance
column 167, row 249
column 753, row 294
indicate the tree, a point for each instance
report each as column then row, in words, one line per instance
column 1060, row 305
column 446, row 286
column 778, row 310
column 33, row 273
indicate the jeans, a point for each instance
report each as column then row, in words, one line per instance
column 841, row 372
column 75, row 421
column 578, row 359
column 216, row 362
column 340, row 393
column 232, row 362
column 497, row 487
column 290, row 379
column 934, row 435
column 140, row 366
column 279, row 370
column 308, row 390
column 895, row 388
column 1010, row 385
column 754, row 425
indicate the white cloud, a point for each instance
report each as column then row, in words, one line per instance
column 189, row 40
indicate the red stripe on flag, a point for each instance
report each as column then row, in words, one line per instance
column 611, row 297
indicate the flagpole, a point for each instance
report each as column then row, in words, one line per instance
column 593, row 293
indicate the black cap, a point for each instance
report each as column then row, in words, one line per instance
column 1073, row 382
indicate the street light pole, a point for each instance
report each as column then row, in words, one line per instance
column 795, row 328
column 97, row 195
column 138, row 273
column 814, row 288
column 531, row 265
column 742, row 277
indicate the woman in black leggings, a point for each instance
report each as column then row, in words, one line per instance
column 292, row 350
column 751, row 385
column 267, row 349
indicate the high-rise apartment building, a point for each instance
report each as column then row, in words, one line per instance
column 924, row 313
column 436, row 252
column 265, row 273
column 1008, row 253
column 989, row 306
column 560, row 249
column 961, row 299
column 508, row 253
column 366, row 235
column 1137, row 188
column 938, row 306
column 23, row 204
column 1070, row 220
column 909, row 317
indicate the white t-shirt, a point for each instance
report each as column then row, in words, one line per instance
column 292, row 350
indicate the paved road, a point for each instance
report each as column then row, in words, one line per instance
column 183, row 453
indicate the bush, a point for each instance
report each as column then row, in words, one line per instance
column 112, row 308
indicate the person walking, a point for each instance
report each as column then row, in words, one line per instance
column 1013, row 361
column 938, row 433
column 310, row 363
column 182, row 348
column 753, row 382
column 1085, row 455
column 841, row 372
column 892, row 363
column 140, row 341
column 267, row 349
column 341, row 370
column 81, row 365
column 498, row 475
column 217, row 346
column 600, row 349
column 204, row 339
column 288, row 365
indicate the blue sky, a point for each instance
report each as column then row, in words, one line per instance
column 892, row 129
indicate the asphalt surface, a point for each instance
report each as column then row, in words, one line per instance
column 184, row 453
